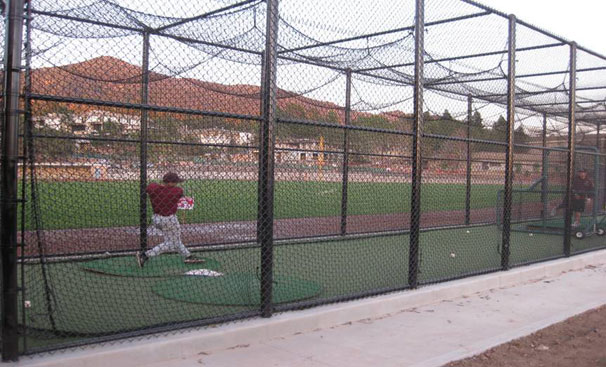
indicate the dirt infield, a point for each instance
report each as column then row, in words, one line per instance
column 579, row 341
column 87, row 240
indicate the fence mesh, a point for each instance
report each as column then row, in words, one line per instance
column 290, row 133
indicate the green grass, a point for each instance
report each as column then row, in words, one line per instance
column 93, row 303
column 112, row 204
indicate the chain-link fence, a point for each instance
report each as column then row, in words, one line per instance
column 183, row 164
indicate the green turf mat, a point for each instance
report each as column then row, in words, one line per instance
column 157, row 266
column 237, row 289
column 340, row 268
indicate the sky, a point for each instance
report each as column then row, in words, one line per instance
column 582, row 21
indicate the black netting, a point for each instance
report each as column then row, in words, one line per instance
column 290, row 128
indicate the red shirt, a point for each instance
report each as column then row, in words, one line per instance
column 163, row 198
column 582, row 187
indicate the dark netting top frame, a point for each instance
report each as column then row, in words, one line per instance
column 349, row 68
column 381, row 52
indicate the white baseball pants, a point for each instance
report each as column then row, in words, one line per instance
column 172, row 236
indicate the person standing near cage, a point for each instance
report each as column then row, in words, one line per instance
column 164, row 199
column 582, row 193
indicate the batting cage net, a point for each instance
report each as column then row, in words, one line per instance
column 180, row 164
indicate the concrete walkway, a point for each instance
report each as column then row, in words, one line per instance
column 426, row 327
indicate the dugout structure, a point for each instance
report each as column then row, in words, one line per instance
column 335, row 151
column 536, row 209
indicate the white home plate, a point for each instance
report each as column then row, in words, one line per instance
column 203, row 273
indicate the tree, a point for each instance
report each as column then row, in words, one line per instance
column 54, row 149
column 500, row 125
column 476, row 119
column 426, row 116
column 377, row 121
column 290, row 130
column 375, row 143
column 520, row 137
column 293, row 111
column 446, row 116
column 332, row 117
column 111, row 128
column 66, row 119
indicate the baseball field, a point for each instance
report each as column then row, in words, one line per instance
column 66, row 205
column 129, row 299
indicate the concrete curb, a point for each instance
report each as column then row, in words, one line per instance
column 187, row 343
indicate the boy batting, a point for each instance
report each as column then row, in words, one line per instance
column 164, row 199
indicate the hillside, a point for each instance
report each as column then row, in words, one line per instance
column 110, row 79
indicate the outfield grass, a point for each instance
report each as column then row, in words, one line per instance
column 91, row 303
column 112, row 204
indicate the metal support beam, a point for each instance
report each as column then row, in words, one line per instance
column 602, row 167
column 468, row 164
column 530, row 106
column 417, row 129
column 462, row 57
column 482, row 6
column 511, row 64
column 267, row 140
column 561, row 91
column 571, row 146
column 143, row 146
column 346, row 153
column 205, row 15
column 383, row 33
column 28, row 157
column 520, row 76
column 597, row 136
column 544, row 170
column 8, row 194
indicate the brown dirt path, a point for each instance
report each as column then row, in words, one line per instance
column 87, row 240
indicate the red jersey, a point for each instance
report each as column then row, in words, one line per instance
column 582, row 187
column 163, row 198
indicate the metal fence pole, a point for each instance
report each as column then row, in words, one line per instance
column 596, row 189
column 571, row 145
column 346, row 152
column 509, row 151
column 27, row 151
column 599, row 199
column 10, row 155
column 597, row 137
column 468, row 167
column 544, row 169
column 603, row 185
column 267, row 140
column 143, row 162
column 417, row 169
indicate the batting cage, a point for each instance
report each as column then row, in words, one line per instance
column 535, row 209
column 178, row 164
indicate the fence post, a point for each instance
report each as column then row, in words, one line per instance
column 598, row 201
column 597, row 137
column 571, row 146
column 346, row 152
column 468, row 167
column 8, row 194
column 143, row 143
column 509, row 151
column 417, row 168
column 544, row 170
column 267, row 140
column 28, row 157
